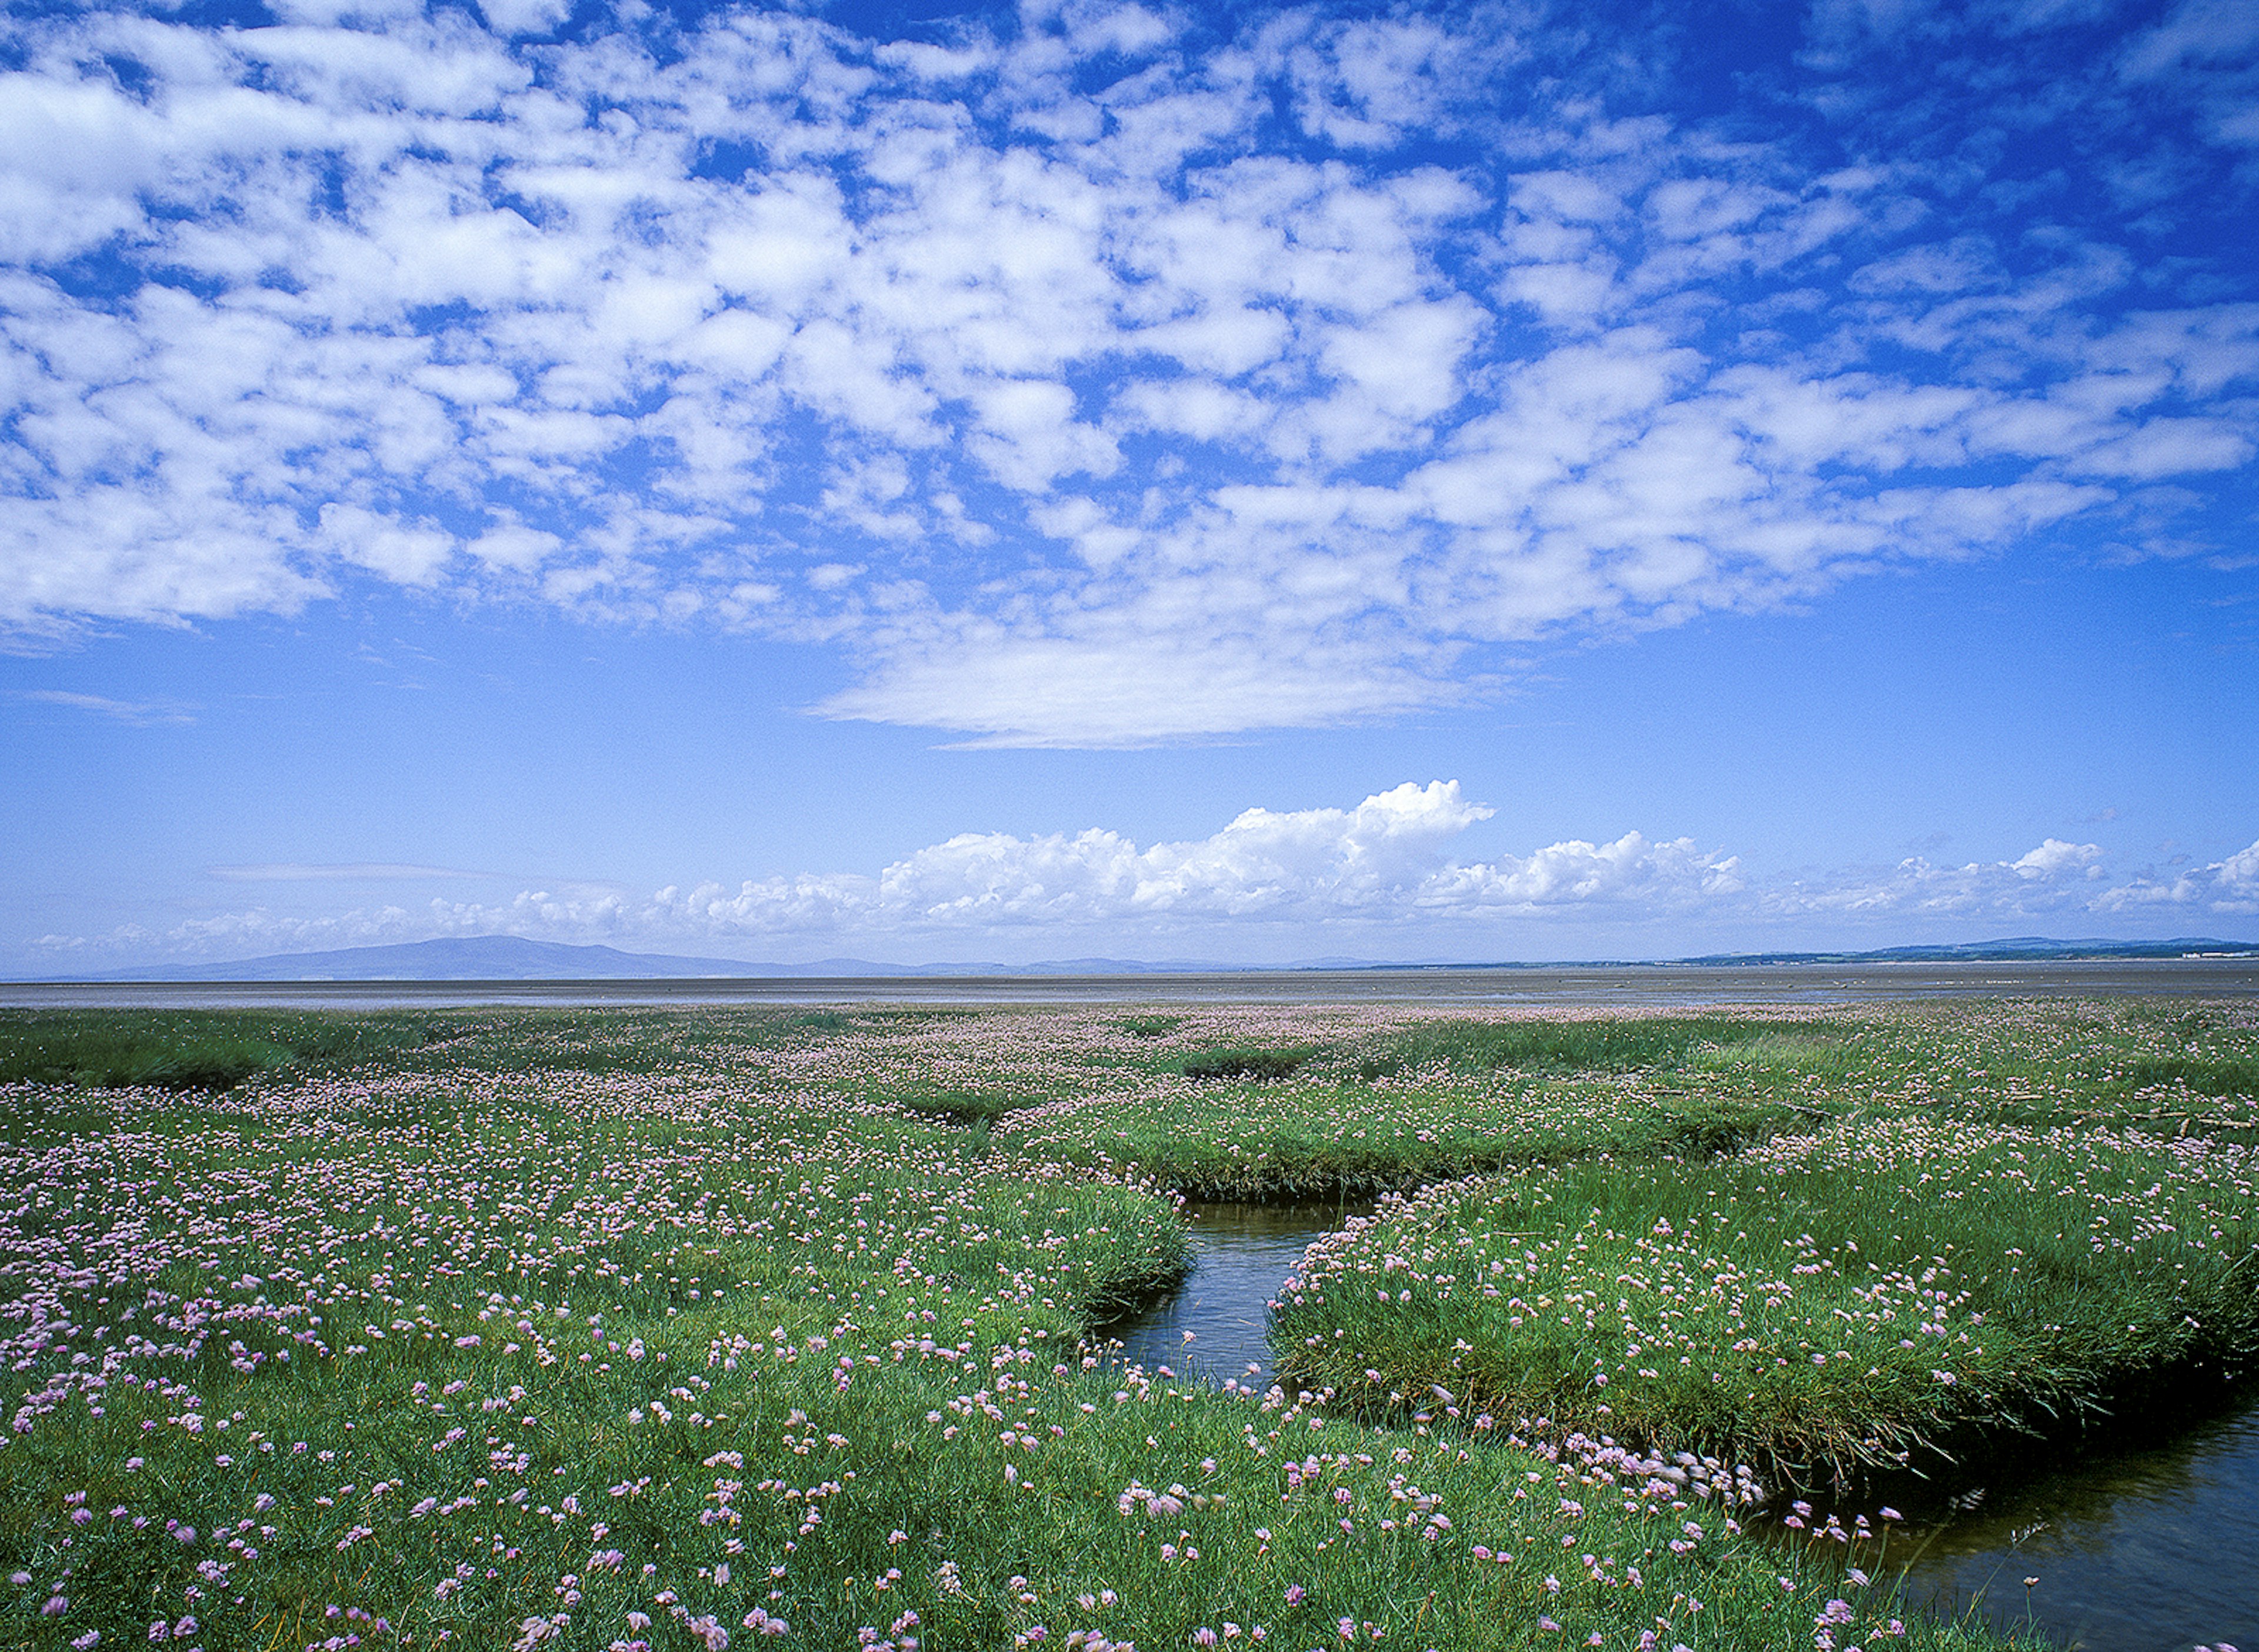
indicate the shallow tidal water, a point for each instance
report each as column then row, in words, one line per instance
column 1655, row 986
column 1216, row 1327
column 2150, row 1550
column 2154, row 1549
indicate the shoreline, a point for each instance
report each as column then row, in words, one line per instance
column 1536, row 987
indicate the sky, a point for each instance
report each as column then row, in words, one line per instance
column 922, row 482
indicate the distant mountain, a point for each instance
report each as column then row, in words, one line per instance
column 512, row 957
column 489, row 957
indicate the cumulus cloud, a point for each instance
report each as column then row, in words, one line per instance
column 1068, row 347
column 1371, row 875
column 2056, row 877
column 2224, row 886
column 1376, row 861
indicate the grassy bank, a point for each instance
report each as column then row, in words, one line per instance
column 1863, row 1299
column 639, row 1330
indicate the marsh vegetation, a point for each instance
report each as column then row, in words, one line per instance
column 668, row 1328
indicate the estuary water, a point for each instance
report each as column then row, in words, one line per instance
column 2147, row 1549
column 1537, row 986
column 1217, row 1326
column 2152, row 1549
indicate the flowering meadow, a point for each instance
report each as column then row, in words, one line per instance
column 676, row 1329
column 1855, row 1299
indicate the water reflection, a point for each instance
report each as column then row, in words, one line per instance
column 1217, row 1326
column 2145, row 1552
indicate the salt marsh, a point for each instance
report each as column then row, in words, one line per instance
column 653, row 1328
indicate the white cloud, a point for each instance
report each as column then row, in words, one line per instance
column 1376, row 867
column 394, row 298
column 1380, row 875
column 2202, row 31
column 2230, row 886
column 2056, row 877
column 2055, row 859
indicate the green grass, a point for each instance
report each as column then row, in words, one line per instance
column 1611, row 1044
column 1260, row 1139
column 1264, row 1066
column 1868, row 1300
column 770, row 1239
column 191, row 1049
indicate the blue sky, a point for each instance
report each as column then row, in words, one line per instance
column 1251, row 483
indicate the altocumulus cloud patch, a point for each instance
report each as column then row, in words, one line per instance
column 1103, row 375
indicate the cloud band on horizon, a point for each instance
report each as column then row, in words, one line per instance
column 1380, row 868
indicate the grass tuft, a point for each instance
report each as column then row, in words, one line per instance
column 1263, row 1066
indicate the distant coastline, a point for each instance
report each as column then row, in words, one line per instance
column 1652, row 986
column 509, row 958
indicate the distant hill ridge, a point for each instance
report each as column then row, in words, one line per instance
column 512, row 957
column 2015, row 949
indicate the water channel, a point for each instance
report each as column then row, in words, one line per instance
column 1217, row 1326
column 2151, row 1548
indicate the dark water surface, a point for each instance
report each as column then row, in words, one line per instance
column 2153, row 1549
column 2147, row 1550
column 1567, row 986
column 1217, row 1326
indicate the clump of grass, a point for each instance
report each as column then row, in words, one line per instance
column 187, row 1050
column 1827, row 1305
column 963, row 1104
column 2204, row 1075
column 1309, row 1135
column 1263, row 1066
column 1611, row 1043
column 1152, row 1026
